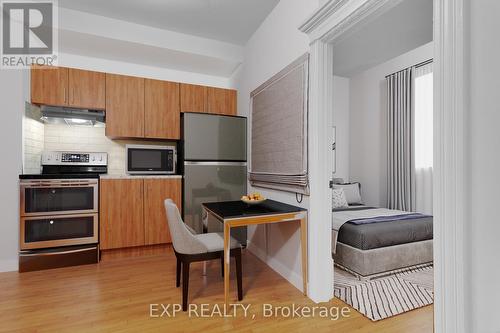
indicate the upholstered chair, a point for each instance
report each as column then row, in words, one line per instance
column 189, row 247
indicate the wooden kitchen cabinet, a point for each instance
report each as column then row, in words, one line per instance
column 49, row 85
column 193, row 98
column 155, row 193
column 221, row 101
column 121, row 213
column 162, row 110
column 208, row 99
column 124, row 106
column 86, row 89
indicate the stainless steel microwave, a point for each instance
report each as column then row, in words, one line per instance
column 151, row 160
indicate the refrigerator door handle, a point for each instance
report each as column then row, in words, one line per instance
column 214, row 163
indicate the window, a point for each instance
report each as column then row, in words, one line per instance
column 424, row 117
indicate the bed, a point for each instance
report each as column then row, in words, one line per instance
column 369, row 241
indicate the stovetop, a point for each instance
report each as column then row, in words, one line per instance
column 60, row 176
column 71, row 165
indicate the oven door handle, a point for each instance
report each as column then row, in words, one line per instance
column 55, row 253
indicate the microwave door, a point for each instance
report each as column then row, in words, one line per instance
column 150, row 160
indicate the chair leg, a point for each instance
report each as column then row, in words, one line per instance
column 222, row 265
column 185, row 285
column 239, row 278
column 178, row 276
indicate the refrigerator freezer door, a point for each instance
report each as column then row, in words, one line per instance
column 214, row 138
column 209, row 182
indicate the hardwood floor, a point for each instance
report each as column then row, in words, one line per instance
column 115, row 296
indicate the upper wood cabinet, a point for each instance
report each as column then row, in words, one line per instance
column 86, row 89
column 221, row 101
column 155, row 193
column 193, row 98
column 62, row 86
column 196, row 98
column 121, row 213
column 124, row 106
column 49, row 85
column 162, row 114
column 135, row 107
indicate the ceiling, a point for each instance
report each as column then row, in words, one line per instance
column 402, row 28
column 232, row 21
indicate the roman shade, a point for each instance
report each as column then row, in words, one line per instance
column 279, row 130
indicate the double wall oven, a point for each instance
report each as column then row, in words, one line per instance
column 59, row 217
column 59, row 212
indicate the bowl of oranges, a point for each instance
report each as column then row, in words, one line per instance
column 253, row 199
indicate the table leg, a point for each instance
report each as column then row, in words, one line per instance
column 227, row 256
column 303, row 245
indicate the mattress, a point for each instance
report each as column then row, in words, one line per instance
column 382, row 234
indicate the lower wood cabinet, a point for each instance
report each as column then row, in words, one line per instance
column 155, row 193
column 121, row 213
column 132, row 212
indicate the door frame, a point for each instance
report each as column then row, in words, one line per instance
column 325, row 27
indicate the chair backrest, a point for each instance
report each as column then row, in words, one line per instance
column 183, row 240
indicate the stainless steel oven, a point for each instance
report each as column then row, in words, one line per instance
column 58, row 230
column 59, row 212
column 40, row 197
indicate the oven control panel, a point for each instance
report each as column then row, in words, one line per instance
column 74, row 158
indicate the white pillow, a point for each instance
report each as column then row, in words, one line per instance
column 351, row 192
column 338, row 198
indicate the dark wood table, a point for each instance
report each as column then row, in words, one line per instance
column 237, row 213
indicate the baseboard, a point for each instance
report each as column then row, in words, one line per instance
column 138, row 251
column 291, row 276
column 9, row 265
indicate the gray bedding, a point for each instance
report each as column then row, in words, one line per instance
column 382, row 234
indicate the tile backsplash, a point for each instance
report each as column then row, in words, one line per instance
column 39, row 136
column 33, row 144
column 90, row 139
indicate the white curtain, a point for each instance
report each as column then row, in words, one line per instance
column 423, row 138
column 400, row 122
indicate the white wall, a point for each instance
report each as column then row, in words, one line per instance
column 368, row 124
column 341, row 122
column 128, row 68
column 12, row 90
column 483, row 168
column 97, row 36
column 273, row 46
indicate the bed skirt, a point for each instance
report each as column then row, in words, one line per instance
column 385, row 259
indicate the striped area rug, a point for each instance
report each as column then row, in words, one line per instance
column 386, row 296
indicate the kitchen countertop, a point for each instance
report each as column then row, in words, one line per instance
column 117, row 176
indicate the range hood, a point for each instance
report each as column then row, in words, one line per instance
column 72, row 116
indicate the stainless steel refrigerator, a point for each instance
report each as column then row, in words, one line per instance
column 214, row 161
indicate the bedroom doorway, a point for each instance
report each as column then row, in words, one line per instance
column 382, row 238
column 333, row 24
